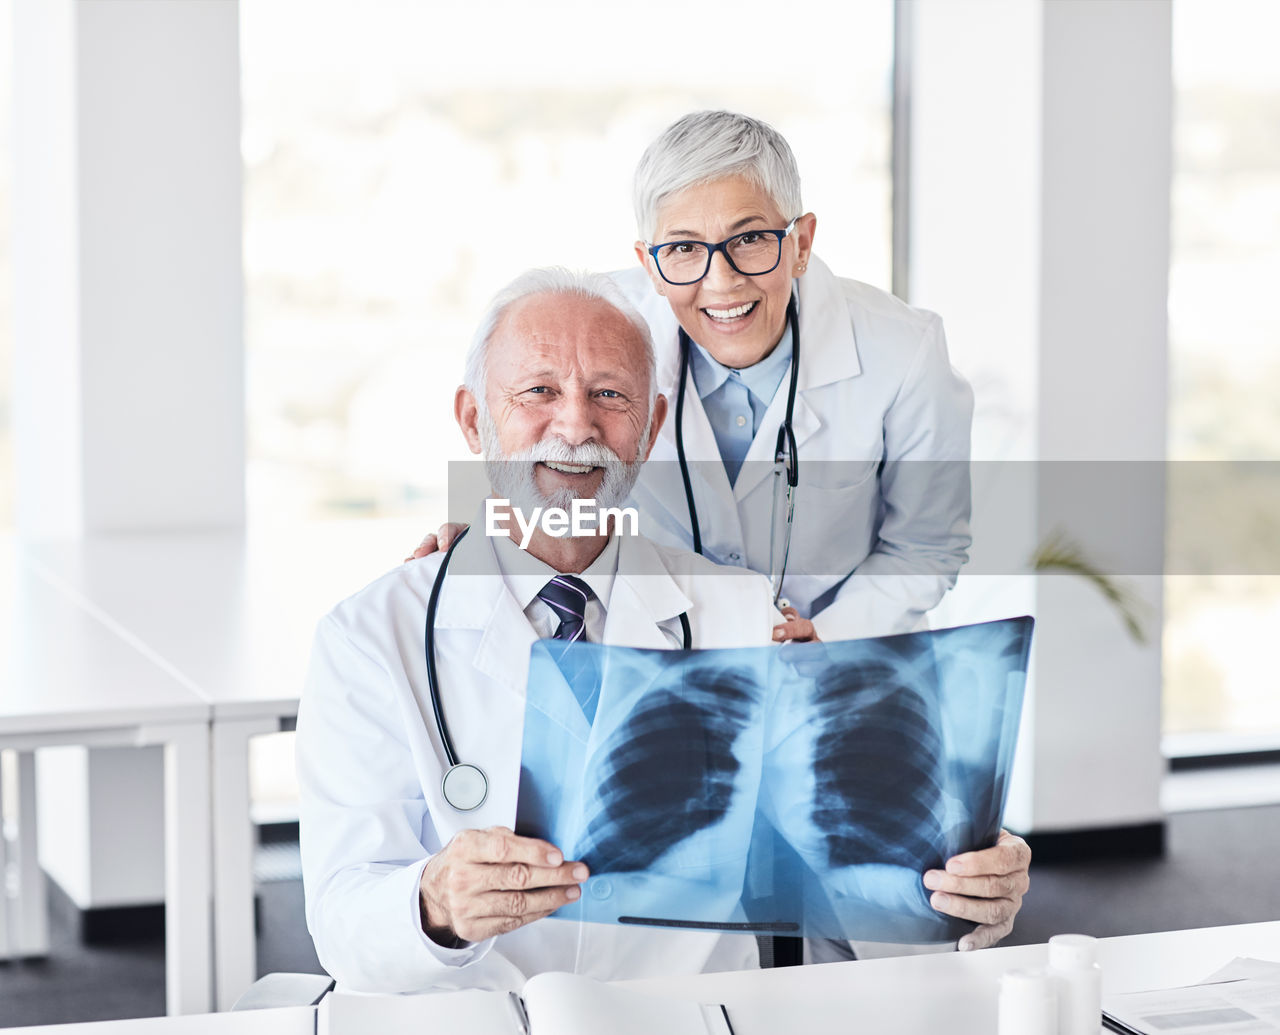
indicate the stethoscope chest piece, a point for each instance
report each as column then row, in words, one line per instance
column 465, row 786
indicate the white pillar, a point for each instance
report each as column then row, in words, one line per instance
column 1040, row 170
column 128, row 343
column 128, row 359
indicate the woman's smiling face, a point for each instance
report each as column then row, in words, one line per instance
column 737, row 318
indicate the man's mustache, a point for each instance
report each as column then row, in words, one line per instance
column 587, row 454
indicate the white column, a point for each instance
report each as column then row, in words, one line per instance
column 128, row 343
column 1040, row 156
column 128, row 359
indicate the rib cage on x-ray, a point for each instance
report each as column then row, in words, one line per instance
column 877, row 758
column 668, row 771
column 807, row 786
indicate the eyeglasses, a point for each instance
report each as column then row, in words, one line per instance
column 753, row 254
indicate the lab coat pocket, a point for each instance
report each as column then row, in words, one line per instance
column 837, row 512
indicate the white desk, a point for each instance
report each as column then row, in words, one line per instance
column 294, row 1020
column 232, row 616
column 952, row 992
column 68, row 679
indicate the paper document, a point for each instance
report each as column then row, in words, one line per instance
column 551, row 1004
column 1241, row 999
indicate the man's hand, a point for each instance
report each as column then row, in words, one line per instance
column 437, row 540
column 489, row 882
column 986, row 886
column 795, row 628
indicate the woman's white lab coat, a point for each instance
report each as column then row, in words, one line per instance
column 882, row 432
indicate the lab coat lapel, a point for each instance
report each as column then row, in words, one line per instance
column 475, row 597
column 718, row 522
column 828, row 347
column 645, row 597
column 504, row 656
column 828, row 353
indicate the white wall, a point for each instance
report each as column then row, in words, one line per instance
column 129, row 361
column 1040, row 206
column 128, row 344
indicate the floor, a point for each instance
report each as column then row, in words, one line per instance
column 1219, row 869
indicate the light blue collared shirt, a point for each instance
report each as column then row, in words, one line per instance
column 735, row 401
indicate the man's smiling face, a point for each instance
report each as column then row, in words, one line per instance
column 567, row 393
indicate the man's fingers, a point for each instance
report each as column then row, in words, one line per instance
column 500, row 845
column 1008, row 855
column 479, row 928
column 984, row 936
column 520, row 904
column 984, row 886
column 522, row 877
column 500, row 912
column 980, row 910
column 988, row 885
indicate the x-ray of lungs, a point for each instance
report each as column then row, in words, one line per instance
column 801, row 789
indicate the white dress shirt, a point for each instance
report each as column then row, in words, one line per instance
column 526, row 576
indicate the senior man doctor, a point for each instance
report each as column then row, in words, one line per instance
column 404, row 892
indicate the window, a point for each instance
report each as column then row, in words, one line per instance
column 404, row 162
column 6, row 272
column 1220, row 629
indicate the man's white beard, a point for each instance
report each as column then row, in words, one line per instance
column 512, row 477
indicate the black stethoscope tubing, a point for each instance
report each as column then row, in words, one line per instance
column 786, row 444
column 473, row 776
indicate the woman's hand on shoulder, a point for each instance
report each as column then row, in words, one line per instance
column 437, row 540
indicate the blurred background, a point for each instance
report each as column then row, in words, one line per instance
column 402, row 160
column 387, row 193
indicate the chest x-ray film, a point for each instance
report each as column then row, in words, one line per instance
column 800, row 790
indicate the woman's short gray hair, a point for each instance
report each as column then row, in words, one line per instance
column 709, row 145
column 553, row 280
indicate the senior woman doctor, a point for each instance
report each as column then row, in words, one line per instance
column 879, row 420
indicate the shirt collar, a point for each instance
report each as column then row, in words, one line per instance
column 761, row 379
column 525, row 575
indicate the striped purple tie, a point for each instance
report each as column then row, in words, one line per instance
column 567, row 596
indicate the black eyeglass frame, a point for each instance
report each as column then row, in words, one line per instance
column 722, row 247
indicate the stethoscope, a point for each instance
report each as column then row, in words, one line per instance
column 786, row 460
column 464, row 785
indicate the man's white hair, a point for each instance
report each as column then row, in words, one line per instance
column 710, row 145
column 553, row 280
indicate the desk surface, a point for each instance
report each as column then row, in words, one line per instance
column 911, row 995
column 231, row 613
column 294, row 1020
column 65, row 670
column 951, row 992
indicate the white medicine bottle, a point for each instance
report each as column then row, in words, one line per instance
column 1073, row 964
column 1027, row 1003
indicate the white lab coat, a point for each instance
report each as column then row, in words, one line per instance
column 370, row 762
column 875, row 387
